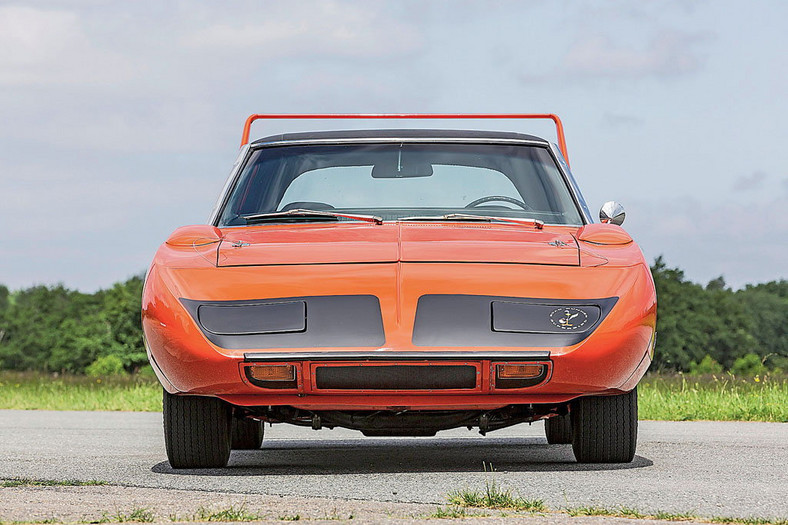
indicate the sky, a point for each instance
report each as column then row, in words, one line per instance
column 121, row 120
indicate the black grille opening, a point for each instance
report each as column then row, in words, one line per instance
column 396, row 377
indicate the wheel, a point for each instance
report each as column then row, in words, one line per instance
column 558, row 430
column 605, row 428
column 196, row 431
column 501, row 198
column 247, row 434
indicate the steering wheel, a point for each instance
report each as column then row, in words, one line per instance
column 501, row 198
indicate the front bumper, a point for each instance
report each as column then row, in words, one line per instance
column 610, row 360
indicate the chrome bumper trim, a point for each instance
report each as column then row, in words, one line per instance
column 387, row 355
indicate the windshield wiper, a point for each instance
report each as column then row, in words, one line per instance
column 309, row 214
column 469, row 217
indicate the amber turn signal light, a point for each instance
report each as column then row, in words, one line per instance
column 272, row 372
column 523, row 371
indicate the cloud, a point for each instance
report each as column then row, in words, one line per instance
column 736, row 239
column 92, row 78
column 315, row 29
column 750, row 182
column 666, row 54
column 613, row 120
column 46, row 47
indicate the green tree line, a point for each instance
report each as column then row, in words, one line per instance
column 54, row 329
column 703, row 329
column 708, row 329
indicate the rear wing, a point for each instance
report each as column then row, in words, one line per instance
column 559, row 128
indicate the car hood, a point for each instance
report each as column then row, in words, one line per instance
column 396, row 242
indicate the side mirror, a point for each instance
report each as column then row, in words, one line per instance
column 612, row 213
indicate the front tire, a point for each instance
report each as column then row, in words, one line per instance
column 558, row 430
column 196, row 431
column 605, row 428
column 247, row 434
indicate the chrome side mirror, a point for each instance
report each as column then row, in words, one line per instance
column 612, row 213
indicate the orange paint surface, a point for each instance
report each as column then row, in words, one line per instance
column 398, row 263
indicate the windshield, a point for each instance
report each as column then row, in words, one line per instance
column 401, row 180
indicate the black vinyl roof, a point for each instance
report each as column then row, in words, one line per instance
column 398, row 133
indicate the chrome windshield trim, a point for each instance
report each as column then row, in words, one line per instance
column 235, row 171
column 577, row 197
column 389, row 355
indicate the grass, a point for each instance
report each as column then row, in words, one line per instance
column 661, row 397
column 494, row 497
column 37, row 391
column 602, row 511
column 749, row 521
column 25, row 482
column 232, row 513
column 453, row 512
column 228, row 514
column 137, row 515
column 626, row 512
column 497, row 498
column 717, row 398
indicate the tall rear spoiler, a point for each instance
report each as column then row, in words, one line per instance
column 559, row 128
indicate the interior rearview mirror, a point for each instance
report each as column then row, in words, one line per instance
column 401, row 170
column 406, row 163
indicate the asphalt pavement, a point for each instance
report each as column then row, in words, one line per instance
column 705, row 468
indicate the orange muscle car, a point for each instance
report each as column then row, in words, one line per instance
column 400, row 282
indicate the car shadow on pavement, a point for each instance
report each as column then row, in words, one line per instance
column 317, row 457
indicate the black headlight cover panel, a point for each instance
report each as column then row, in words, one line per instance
column 496, row 321
column 509, row 316
column 328, row 321
column 262, row 318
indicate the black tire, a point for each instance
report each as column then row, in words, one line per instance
column 558, row 430
column 605, row 428
column 196, row 431
column 247, row 434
